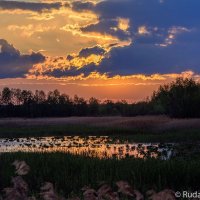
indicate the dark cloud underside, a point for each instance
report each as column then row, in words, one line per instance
column 170, row 44
column 13, row 64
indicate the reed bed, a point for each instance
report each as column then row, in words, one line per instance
column 19, row 190
column 69, row 173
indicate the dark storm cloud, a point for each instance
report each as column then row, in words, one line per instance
column 153, row 51
column 97, row 50
column 150, row 59
column 73, row 71
column 146, row 58
column 22, row 5
column 151, row 12
column 13, row 63
column 86, row 52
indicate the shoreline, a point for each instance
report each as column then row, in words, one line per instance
column 138, row 129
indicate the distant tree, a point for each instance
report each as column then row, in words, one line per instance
column 94, row 106
column 141, row 108
column 17, row 96
column 53, row 97
column 39, row 97
column 64, row 99
column 80, row 106
column 6, row 96
column 180, row 98
column 122, row 107
column 109, row 108
column 27, row 97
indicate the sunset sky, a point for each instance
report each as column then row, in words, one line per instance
column 110, row 49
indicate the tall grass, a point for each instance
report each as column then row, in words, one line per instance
column 69, row 173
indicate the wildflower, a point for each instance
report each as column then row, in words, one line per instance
column 90, row 194
column 112, row 196
column 105, row 192
column 138, row 195
column 11, row 193
column 150, row 193
column 18, row 191
column 47, row 192
column 125, row 188
column 21, row 167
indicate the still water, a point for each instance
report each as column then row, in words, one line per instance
column 99, row 146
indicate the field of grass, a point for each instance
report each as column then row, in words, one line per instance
column 136, row 135
column 138, row 129
column 70, row 173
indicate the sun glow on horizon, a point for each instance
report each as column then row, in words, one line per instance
column 96, row 47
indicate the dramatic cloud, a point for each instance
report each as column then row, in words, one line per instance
column 13, row 63
column 145, row 56
column 148, row 59
column 165, row 35
column 31, row 6
column 122, row 38
column 85, row 62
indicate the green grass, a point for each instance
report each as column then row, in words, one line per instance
column 137, row 135
column 70, row 173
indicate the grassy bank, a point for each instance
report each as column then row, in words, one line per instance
column 134, row 134
column 70, row 173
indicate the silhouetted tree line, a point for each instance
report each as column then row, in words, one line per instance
column 180, row 98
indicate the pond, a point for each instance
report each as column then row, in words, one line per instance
column 99, row 146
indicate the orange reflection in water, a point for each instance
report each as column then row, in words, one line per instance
column 101, row 147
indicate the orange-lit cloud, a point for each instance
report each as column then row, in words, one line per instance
column 123, row 24
column 30, row 29
column 142, row 30
column 132, row 88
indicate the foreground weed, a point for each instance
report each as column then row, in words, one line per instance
column 20, row 190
